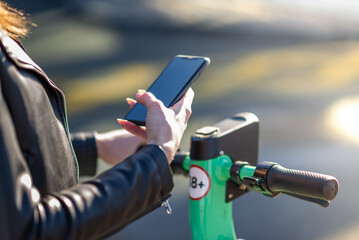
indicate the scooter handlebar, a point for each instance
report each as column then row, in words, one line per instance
column 302, row 183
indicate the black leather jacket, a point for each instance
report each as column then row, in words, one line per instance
column 40, row 197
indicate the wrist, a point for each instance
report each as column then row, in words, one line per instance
column 167, row 149
column 100, row 144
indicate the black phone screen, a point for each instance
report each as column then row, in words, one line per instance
column 170, row 85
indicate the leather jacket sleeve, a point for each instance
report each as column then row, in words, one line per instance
column 90, row 210
column 84, row 144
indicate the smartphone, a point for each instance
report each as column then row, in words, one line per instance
column 171, row 84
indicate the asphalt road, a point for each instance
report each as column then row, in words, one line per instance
column 303, row 88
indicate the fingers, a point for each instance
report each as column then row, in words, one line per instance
column 185, row 101
column 189, row 95
column 183, row 107
column 131, row 102
column 149, row 100
column 133, row 128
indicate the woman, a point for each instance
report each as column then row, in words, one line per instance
column 40, row 196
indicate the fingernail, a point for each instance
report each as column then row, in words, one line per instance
column 141, row 91
column 129, row 100
column 120, row 121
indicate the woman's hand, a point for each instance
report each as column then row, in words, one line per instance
column 164, row 126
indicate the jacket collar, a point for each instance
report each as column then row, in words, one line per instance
column 17, row 54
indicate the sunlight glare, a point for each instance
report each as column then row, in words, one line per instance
column 343, row 118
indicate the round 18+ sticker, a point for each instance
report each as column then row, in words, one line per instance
column 199, row 182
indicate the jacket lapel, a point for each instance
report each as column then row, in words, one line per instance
column 18, row 55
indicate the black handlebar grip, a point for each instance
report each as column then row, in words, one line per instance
column 302, row 183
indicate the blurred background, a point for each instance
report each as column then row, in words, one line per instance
column 295, row 64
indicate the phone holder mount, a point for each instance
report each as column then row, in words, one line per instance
column 237, row 137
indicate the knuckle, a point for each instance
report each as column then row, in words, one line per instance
column 156, row 104
column 146, row 95
column 150, row 96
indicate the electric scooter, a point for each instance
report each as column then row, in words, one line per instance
column 222, row 165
